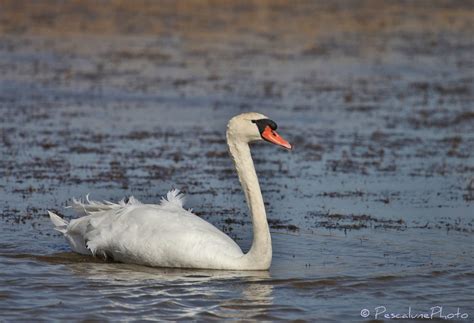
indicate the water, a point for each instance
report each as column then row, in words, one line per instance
column 372, row 208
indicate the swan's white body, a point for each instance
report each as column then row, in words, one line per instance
column 164, row 235
column 167, row 235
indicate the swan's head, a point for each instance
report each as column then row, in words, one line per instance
column 252, row 126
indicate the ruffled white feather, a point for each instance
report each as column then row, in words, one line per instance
column 173, row 199
column 162, row 235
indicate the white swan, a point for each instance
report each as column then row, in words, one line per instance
column 167, row 235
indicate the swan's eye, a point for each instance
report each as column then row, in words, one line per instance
column 263, row 123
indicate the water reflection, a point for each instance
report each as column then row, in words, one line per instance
column 256, row 299
column 183, row 292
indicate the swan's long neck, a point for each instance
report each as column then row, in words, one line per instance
column 260, row 254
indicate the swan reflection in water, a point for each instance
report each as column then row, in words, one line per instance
column 208, row 293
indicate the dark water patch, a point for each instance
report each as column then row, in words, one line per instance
column 355, row 221
column 469, row 195
column 282, row 224
column 343, row 194
column 85, row 150
column 434, row 119
column 217, row 154
column 126, row 55
column 361, row 108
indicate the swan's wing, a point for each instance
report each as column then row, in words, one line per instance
column 159, row 235
column 77, row 230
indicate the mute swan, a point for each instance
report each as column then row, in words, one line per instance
column 167, row 235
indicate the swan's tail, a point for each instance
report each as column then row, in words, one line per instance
column 59, row 223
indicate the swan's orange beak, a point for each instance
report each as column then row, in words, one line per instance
column 272, row 136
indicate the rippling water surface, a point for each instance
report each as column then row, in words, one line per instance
column 373, row 207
